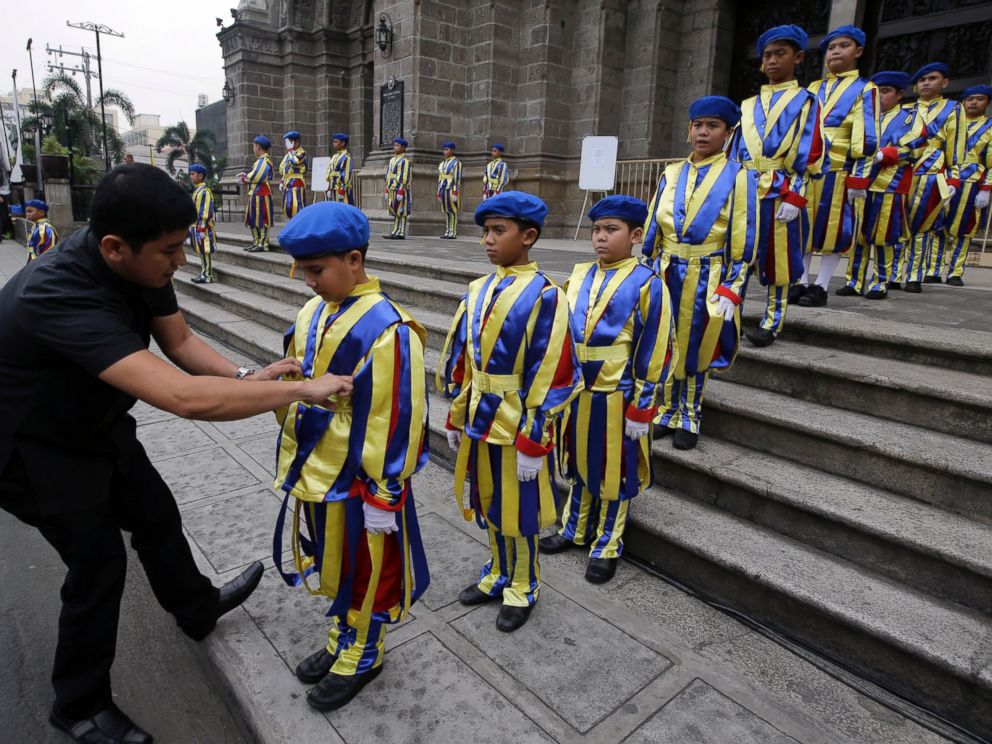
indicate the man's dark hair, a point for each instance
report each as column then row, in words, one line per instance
column 140, row 203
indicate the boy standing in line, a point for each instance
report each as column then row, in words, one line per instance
column 339, row 171
column 293, row 169
column 398, row 176
column 258, row 214
column 449, row 184
column 497, row 174
column 201, row 233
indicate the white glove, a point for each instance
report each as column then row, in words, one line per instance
column 528, row 467
column 635, row 429
column 454, row 439
column 952, row 190
column 724, row 306
column 289, row 144
column 982, row 200
column 787, row 212
column 242, row 177
column 379, row 520
column 853, row 194
column 879, row 156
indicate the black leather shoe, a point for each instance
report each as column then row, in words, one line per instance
column 555, row 544
column 685, row 440
column 389, row 237
column 815, row 296
column 199, row 279
column 472, row 595
column 955, row 281
column 893, row 285
column 913, row 287
column 335, row 690
column 258, row 249
column 510, row 618
column 601, row 570
column 876, row 294
column 932, row 280
column 247, row 247
column 109, row 726
column 760, row 337
column 846, row 291
column 237, row 590
column 315, row 667
column 796, row 291
column 660, row 432
column 399, row 237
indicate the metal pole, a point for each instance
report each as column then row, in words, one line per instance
column 103, row 110
column 86, row 75
column 39, row 172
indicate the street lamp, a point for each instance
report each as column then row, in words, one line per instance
column 228, row 93
column 384, row 34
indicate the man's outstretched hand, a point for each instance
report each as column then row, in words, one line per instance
column 318, row 391
column 282, row 368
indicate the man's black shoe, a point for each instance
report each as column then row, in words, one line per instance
column 335, row 690
column 932, row 280
column 814, row 296
column 109, row 726
column 510, row 617
column 685, row 440
column 237, row 590
column 601, row 570
column 893, row 285
column 315, row 667
column 472, row 595
column 955, row 281
column 846, row 291
column 876, row 294
column 796, row 291
column 555, row 543
column 760, row 337
column 913, row 287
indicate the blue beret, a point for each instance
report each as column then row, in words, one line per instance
column 782, row 33
column 198, row 168
column 341, row 136
column 449, row 143
column 401, row 141
column 716, row 106
column 262, row 141
column 851, row 32
column 37, row 204
column 620, row 206
column 514, row 204
column 940, row 67
column 325, row 227
column 977, row 90
column 895, row 78
column 498, row 146
column 292, row 134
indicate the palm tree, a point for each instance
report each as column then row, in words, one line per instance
column 198, row 148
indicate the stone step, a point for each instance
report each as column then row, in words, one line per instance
column 251, row 338
column 920, row 545
column 930, row 651
column 940, row 469
column 945, row 400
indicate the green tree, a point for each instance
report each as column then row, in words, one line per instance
column 198, row 148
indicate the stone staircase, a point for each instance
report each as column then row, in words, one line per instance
column 841, row 493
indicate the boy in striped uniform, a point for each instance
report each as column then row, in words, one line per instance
column 967, row 209
column 398, row 175
column 449, row 184
column 43, row 235
column 849, row 122
column 258, row 213
column 346, row 466
column 201, row 233
column 701, row 235
column 510, row 369
column 339, row 171
column 779, row 137
column 622, row 325
column 293, row 170
column 497, row 174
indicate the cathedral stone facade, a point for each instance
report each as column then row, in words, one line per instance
column 535, row 75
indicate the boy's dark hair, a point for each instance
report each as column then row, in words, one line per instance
column 523, row 225
column 363, row 250
column 139, row 203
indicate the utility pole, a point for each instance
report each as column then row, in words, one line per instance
column 99, row 28
column 84, row 68
column 39, row 171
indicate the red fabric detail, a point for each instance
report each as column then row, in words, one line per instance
column 640, row 415
column 263, row 190
column 985, row 187
column 955, row 182
column 450, row 426
column 565, row 373
column 729, row 294
column 890, row 155
column 389, row 592
column 853, row 182
column 458, row 373
column 816, row 149
column 529, row 447
column 794, row 199
column 296, row 183
column 360, row 489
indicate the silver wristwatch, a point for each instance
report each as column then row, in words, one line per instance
column 243, row 372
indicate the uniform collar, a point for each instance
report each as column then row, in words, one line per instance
column 502, row 271
column 616, row 264
column 369, row 287
column 705, row 161
column 787, row 85
column 849, row 73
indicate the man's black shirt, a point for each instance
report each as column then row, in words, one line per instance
column 64, row 319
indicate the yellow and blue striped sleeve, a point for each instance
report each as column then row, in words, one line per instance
column 453, row 371
column 651, row 360
column 742, row 232
column 652, row 230
column 865, row 133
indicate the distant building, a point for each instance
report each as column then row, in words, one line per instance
column 212, row 117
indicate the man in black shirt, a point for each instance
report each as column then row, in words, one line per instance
column 75, row 326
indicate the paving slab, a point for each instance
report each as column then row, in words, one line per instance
column 236, row 531
column 207, row 472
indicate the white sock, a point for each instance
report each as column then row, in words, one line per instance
column 807, row 260
column 827, row 265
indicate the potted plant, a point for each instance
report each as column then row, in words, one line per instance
column 54, row 158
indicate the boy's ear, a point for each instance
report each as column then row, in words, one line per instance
column 530, row 236
column 800, row 56
column 637, row 235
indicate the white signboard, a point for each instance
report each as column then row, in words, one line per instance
column 598, row 168
column 318, row 173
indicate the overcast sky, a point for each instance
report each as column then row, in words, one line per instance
column 168, row 55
